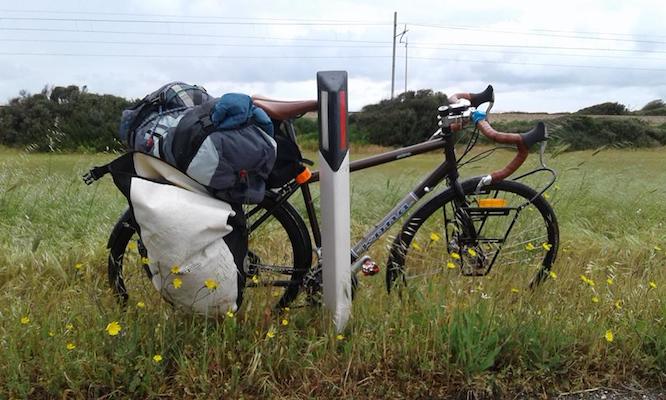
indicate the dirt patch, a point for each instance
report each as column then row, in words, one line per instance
column 613, row 394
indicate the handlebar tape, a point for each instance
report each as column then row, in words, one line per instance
column 522, row 141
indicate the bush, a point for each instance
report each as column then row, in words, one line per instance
column 62, row 118
column 654, row 107
column 607, row 108
column 582, row 132
column 407, row 119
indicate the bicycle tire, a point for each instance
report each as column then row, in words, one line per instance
column 286, row 217
column 413, row 230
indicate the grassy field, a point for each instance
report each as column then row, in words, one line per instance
column 608, row 329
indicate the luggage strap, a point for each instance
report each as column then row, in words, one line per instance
column 95, row 174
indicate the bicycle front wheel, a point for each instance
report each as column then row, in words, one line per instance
column 514, row 244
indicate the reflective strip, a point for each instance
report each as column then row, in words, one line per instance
column 342, row 109
column 323, row 114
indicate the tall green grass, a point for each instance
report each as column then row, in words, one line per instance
column 448, row 336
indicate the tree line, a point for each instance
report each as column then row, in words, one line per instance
column 72, row 119
column 62, row 118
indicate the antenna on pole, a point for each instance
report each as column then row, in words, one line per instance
column 404, row 32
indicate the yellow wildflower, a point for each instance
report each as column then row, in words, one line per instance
column 340, row 336
column 529, row 247
column 514, row 290
column 546, row 246
column 141, row 304
column 69, row 327
column 434, row 237
column 471, row 252
column 450, row 265
column 211, row 284
column 177, row 282
column 270, row 334
column 157, row 358
column 51, row 334
column 546, row 196
column 25, row 320
column 552, row 274
column 285, row 322
column 618, row 304
column 71, row 346
column 175, row 270
column 587, row 280
column 595, row 299
column 276, row 293
column 78, row 266
column 132, row 246
column 230, row 314
column 416, row 246
column 145, row 260
column 255, row 279
column 455, row 255
column 609, row 336
column 113, row 328
column 653, row 284
column 609, row 280
column 286, row 309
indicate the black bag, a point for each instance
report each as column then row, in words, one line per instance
column 289, row 161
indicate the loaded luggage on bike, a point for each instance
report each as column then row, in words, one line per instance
column 193, row 161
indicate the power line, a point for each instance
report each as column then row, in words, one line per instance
column 186, row 16
column 541, row 47
column 424, row 24
column 541, row 54
column 188, row 56
column 539, row 64
column 313, row 46
column 433, row 25
column 477, row 29
column 233, row 57
column 153, row 21
column 212, row 35
column 414, row 44
column 171, row 44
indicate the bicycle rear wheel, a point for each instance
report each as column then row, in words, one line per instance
column 279, row 256
column 516, row 245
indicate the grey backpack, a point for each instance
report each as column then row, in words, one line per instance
column 226, row 145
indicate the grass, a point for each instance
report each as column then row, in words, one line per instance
column 449, row 336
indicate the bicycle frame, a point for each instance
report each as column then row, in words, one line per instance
column 448, row 169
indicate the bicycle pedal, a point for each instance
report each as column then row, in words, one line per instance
column 369, row 268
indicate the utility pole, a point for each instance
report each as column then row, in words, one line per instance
column 395, row 27
column 406, row 44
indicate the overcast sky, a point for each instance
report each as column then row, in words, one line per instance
column 540, row 56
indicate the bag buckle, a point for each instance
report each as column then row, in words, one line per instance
column 94, row 174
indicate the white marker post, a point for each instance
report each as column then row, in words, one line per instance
column 334, row 194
